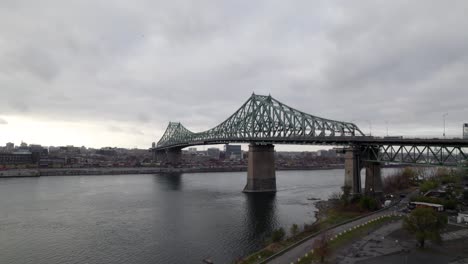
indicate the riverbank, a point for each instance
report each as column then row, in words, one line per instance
column 325, row 217
column 331, row 218
column 135, row 170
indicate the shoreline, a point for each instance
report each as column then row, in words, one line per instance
column 20, row 173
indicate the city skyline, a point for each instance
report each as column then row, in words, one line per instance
column 116, row 74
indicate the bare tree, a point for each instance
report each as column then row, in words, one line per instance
column 321, row 246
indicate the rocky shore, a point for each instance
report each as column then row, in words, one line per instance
column 323, row 206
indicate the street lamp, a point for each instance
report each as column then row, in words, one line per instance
column 370, row 127
column 386, row 125
column 443, row 116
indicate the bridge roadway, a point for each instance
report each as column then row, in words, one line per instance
column 334, row 141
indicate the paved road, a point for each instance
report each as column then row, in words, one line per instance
column 455, row 235
column 374, row 244
column 299, row 251
column 305, row 247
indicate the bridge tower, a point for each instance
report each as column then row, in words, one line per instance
column 261, row 174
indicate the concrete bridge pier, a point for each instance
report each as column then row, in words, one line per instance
column 159, row 156
column 373, row 185
column 261, row 174
column 353, row 170
column 353, row 166
column 174, row 155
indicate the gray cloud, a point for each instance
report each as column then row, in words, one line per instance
column 144, row 63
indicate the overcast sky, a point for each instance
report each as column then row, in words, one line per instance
column 114, row 73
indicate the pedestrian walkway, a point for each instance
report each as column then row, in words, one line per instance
column 460, row 261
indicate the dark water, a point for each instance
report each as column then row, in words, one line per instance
column 150, row 218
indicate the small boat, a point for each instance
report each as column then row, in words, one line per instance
column 312, row 198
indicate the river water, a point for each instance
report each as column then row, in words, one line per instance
column 173, row 218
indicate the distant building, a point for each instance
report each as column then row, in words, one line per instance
column 233, row 151
column 16, row 158
column 326, row 153
column 213, row 153
column 462, row 217
column 107, row 151
column 52, row 162
column 192, row 150
column 9, row 147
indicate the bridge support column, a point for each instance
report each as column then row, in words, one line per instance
column 261, row 174
column 353, row 170
column 159, row 156
column 373, row 185
column 174, row 156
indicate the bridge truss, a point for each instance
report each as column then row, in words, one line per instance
column 429, row 153
column 265, row 120
column 261, row 118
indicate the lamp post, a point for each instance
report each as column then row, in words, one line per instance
column 443, row 116
column 386, row 125
column 370, row 127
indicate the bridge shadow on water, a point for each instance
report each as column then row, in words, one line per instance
column 260, row 215
column 171, row 181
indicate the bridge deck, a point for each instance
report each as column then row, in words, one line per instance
column 336, row 141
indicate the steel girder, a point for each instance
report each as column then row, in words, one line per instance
column 424, row 154
column 259, row 118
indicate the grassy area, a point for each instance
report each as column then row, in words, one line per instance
column 349, row 236
column 334, row 217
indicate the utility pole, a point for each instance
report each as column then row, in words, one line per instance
column 443, row 116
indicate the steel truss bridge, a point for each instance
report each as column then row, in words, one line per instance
column 264, row 120
column 261, row 119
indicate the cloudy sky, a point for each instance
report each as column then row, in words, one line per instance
column 114, row 73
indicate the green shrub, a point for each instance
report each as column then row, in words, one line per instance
column 278, row 235
column 428, row 185
column 450, row 204
column 368, row 203
column 424, row 224
column 294, row 229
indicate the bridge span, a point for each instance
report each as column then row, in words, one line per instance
column 263, row 121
